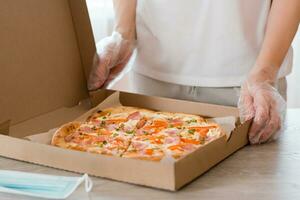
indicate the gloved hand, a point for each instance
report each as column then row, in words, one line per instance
column 262, row 102
column 113, row 53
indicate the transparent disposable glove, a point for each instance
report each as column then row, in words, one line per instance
column 113, row 53
column 262, row 102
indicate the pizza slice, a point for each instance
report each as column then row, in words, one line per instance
column 88, row 137
column 193, row 134
column 106, row 132
column 145, row 147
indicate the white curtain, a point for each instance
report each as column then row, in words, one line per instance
column 102, row 17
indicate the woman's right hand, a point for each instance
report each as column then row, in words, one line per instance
column 113, row 53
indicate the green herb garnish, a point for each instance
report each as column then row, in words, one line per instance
column 130, row 132
column 115, row 134
column 191, row 131
column 146, row 133
column 192, row 120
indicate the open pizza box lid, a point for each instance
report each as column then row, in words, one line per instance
column 47, row 48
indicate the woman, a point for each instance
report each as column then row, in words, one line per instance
column 207, row 51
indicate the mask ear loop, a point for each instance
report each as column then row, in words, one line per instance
column 88, row 183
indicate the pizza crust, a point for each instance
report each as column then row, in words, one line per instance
column 58, row 138
column 117, row 110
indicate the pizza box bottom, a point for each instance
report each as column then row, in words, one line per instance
column 167, row 174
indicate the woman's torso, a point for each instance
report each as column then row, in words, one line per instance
column 207, row 43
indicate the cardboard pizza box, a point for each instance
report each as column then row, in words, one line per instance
column 167, row 174
column 47, row 48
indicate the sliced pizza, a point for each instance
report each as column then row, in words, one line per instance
column 137, row 133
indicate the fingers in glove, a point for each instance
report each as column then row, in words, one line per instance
column 261, row 118
column 117, row 70
column 125, row 53
column 99, row 73
column 272, row 126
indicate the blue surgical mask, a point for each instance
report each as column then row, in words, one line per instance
column 39, row 185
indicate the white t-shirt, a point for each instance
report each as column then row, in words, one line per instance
column 209, row 43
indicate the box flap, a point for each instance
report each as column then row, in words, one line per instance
column 49, row 121
column 173, row 105
column 4, row 127
column 40, row 59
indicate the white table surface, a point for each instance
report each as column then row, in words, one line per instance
column 265, row 172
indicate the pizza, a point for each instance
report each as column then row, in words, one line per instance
column 137, row 133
